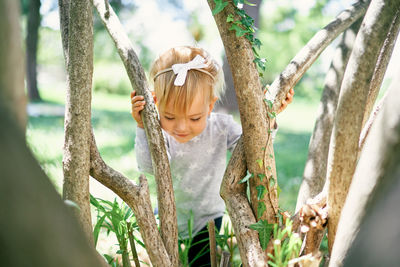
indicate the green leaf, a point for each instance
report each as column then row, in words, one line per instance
column 219, row 6
column 261, row 176
column 246, row 178
column 260, row 162
column 271, row 115
column 260, row 191
column 239, row 31
column 269, row 103
column 279, row 190
column 264, row 230
column 271, row 182
column 230, row 18
column 269, row 168
column 261, row 208
column 271, row 156
column 249, row 3
column 96, row 229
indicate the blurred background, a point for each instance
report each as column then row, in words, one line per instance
column 154, row 26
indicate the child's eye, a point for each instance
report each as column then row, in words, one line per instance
column 195, row 119
column 169, row 118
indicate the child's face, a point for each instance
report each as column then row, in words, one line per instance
column 185, row 126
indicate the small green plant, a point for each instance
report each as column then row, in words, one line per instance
column 118, row 219
column 286, row 245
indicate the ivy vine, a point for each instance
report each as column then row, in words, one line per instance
column 243, row 25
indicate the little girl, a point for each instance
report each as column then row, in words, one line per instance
column 187, row 83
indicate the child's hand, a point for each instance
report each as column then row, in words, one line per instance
column 137, row 105
column 287, row 100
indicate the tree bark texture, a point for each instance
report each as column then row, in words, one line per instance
column 228, row 101
column 315, row 169
column 377, row 170
column 36, row 229
column 165, row 193
column 352, row 102
column 239, row 209
column 11, row 63
column 381, row 66
column 76, row 159
column 253, row 114
column 32, row 38
column 310, row 52
column 138, row 199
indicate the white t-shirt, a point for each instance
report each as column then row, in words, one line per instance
column 197, row 169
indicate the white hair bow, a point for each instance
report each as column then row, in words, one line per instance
column 181, row 69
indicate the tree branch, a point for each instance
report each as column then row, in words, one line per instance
column 165, row 192
column 239, row 209
column 253, row 114
column 314, row 175
column 311, row 51
column 381, row 66
column 352, row 101
column 138, row 198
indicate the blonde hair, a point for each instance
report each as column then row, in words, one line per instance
column 210, row 86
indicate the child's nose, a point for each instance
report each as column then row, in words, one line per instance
column 181, row 125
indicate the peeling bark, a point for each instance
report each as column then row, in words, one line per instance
column 239, row 209
column 377, row 171
column 76, row 158
column 352, row 101
column 315, row 169
column 138, row 199
column 308, row 54
column 165, row 193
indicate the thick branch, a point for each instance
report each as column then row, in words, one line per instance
column 239, row 209
column 76, row 158
column 165, row 193
column 381, row 66
column 310, row 52
column 352, row 101
column 377, row 169
column 253, row 114
column 315, row 169
column 138, row 198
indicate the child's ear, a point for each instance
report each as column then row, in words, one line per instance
column 212, row 103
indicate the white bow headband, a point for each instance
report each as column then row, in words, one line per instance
column 198, row 63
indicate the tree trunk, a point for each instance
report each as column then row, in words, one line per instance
column 76, row 160
column 228, row 101
column 381, row 66
column 253, row 114
column 36, row 228
column 239, row 209
column 377, row 175
column 165, row 192
column 32, row 37
column 352, row 102
column 315, row 168
column 11, row 63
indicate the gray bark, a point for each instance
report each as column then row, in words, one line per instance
column 11, row 63
column 76, row 158
column 377, row 171
column 352, row 102
column 315, row 169
column 32, row 37
column 310, row 52
column 165, row 193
